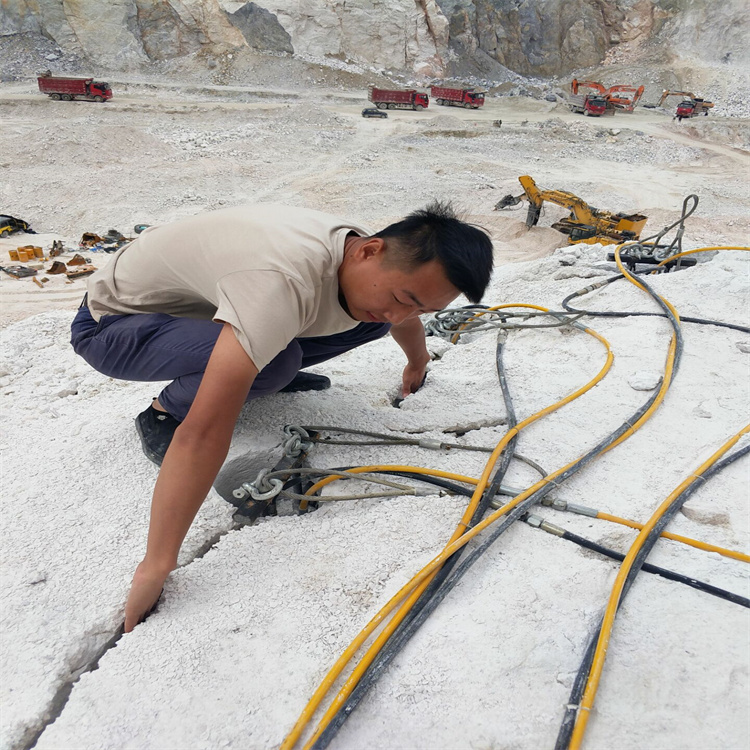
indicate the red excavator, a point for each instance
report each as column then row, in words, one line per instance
column 624, row 97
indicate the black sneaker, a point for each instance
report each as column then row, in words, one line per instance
column 156, row 429
column 307, row 381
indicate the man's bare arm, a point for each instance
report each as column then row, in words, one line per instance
column 196, row 453
column 409, row 335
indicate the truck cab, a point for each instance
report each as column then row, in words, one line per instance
column 595, row 105
column 685, row 109
column 100, row 88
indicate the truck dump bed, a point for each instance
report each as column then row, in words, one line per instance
column 72, row 86
column 389, row 95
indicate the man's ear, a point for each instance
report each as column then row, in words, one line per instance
column 372, row 247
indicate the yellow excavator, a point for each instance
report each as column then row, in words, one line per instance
column 585, row 224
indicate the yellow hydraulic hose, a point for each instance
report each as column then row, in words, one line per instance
column 457, row 544
column 434, row 565
column 430, row 568
column 706, row 546
column 700, row 250
column 369, row 656
column 364, row 469
column 668, row 367
column 600, row 654
column 413, row 469
column 343, row 660
column 677, row 538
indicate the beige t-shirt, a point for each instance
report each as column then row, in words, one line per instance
column 270, row 271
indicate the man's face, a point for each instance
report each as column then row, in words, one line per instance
column 377, row 291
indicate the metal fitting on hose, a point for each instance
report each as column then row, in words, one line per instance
column 430, row 444
column 539, row 523
column 553, row 502
column 589, row 288
column 581, row 510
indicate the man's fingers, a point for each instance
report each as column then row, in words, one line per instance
column 412, row 386
column 142, row 601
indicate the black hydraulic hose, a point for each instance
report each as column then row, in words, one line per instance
column 494, row 487
column 656, row 570
column 406, row 627
column 680, row 223
column 579, row 684
column 627, row 314
column 446, row 484
column 405, row 631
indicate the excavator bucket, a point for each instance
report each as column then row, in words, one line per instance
column 507, row 201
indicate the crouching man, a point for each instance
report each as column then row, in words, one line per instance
column 230, row 305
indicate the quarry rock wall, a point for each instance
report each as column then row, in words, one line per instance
column 428, row 38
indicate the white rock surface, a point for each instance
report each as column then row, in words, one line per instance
column 245, row 633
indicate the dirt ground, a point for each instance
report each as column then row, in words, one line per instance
column 159, row 151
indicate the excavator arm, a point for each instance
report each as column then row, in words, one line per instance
column 627, row 102
column 666, row 94
column 536, row 197
column 585, row 223
column 576, row 84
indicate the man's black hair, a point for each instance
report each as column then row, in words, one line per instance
column 436, row 233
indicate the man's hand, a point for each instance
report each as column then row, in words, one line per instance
column 409, row 335
column 145, row 590
column 414, row 375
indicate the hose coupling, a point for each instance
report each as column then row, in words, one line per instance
column 590, row 288
column 297, row 441
column 539, row 523
column 430, row 444
column 553, row 502
column 581, row 510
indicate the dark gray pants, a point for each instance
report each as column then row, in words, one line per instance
column 154, row 347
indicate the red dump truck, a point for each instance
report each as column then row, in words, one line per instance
column 593, row 105
column 391, row 99
column 74, row 88
column 467, row 98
